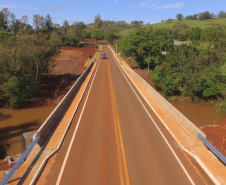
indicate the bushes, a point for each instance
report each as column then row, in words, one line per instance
column 18, row 89
column 24, row 61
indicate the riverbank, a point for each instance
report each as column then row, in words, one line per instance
column 4, row 165
column 215, row 132
column 67, row 67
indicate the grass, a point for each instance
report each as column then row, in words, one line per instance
column 88, row 62
column 191, row 23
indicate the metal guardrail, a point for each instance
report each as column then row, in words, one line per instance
column 20, row 161
column 212, row 148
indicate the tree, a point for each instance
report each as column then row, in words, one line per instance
column 3, row 23
column 98, row 22
column 24, row 60
column 13, row 23
column 133, row 44
column 6, row 14
column 96, row 34
column 78, row 30
column 206, row 15
column 65, row 23
column 169, row 20
column 179, row 17
column 135, row 22
column 38, row 21
column 24, row 19
column 141, row 22
column 196, row 34
column 48, row 23
column 56, row 26
column 192, row 17
column 109, row 37
column 17, row 89
column 221, row 107
column 86, row 34
column 195, row 17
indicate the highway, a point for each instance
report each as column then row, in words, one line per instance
column 115, row 138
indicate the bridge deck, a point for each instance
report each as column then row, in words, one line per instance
column 116, row 141
column 116, row 138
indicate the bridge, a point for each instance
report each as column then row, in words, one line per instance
column 113, row 128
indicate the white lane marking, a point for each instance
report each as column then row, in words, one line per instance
column 202, row 166
column 185, row 149
column 76, row 128
column 178, row 160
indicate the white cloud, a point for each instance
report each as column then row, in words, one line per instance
column 10, row 6
column 70, row 9
column 153, row 5
column 143, row 4
column 176, row 5
column 51, row 8
column 197, row 4
column 116, row 1
column 109, row 4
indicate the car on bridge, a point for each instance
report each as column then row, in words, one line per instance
column 103, row 55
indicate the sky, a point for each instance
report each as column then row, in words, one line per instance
column 148, row 11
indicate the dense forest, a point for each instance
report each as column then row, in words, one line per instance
column 27, row 52
column 196, row 69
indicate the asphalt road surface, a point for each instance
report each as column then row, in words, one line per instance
column 115, row 138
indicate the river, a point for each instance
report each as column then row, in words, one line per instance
column 201, row 114
column 15, row 122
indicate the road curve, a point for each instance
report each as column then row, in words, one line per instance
column 115, row 138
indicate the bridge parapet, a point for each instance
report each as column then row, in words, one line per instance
column 181, row 120
column 62, row 108
column 36, row 151
column 185, row 133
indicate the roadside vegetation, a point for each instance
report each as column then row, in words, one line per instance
column 195, row 69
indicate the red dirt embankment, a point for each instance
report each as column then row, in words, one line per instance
column 216, row 134
column 3, row 162
column 67, row 66
column 140, row 72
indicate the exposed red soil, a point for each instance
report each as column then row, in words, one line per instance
column 217, row 135
column 67, row 70
column 141, row 72
column 46, row 93
column 3, row 149
column 4, row 163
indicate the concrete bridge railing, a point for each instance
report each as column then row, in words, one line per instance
column 62, row 107
column 181, row 120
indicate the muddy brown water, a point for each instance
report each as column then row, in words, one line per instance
column 201, row 114
column 15, row 122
